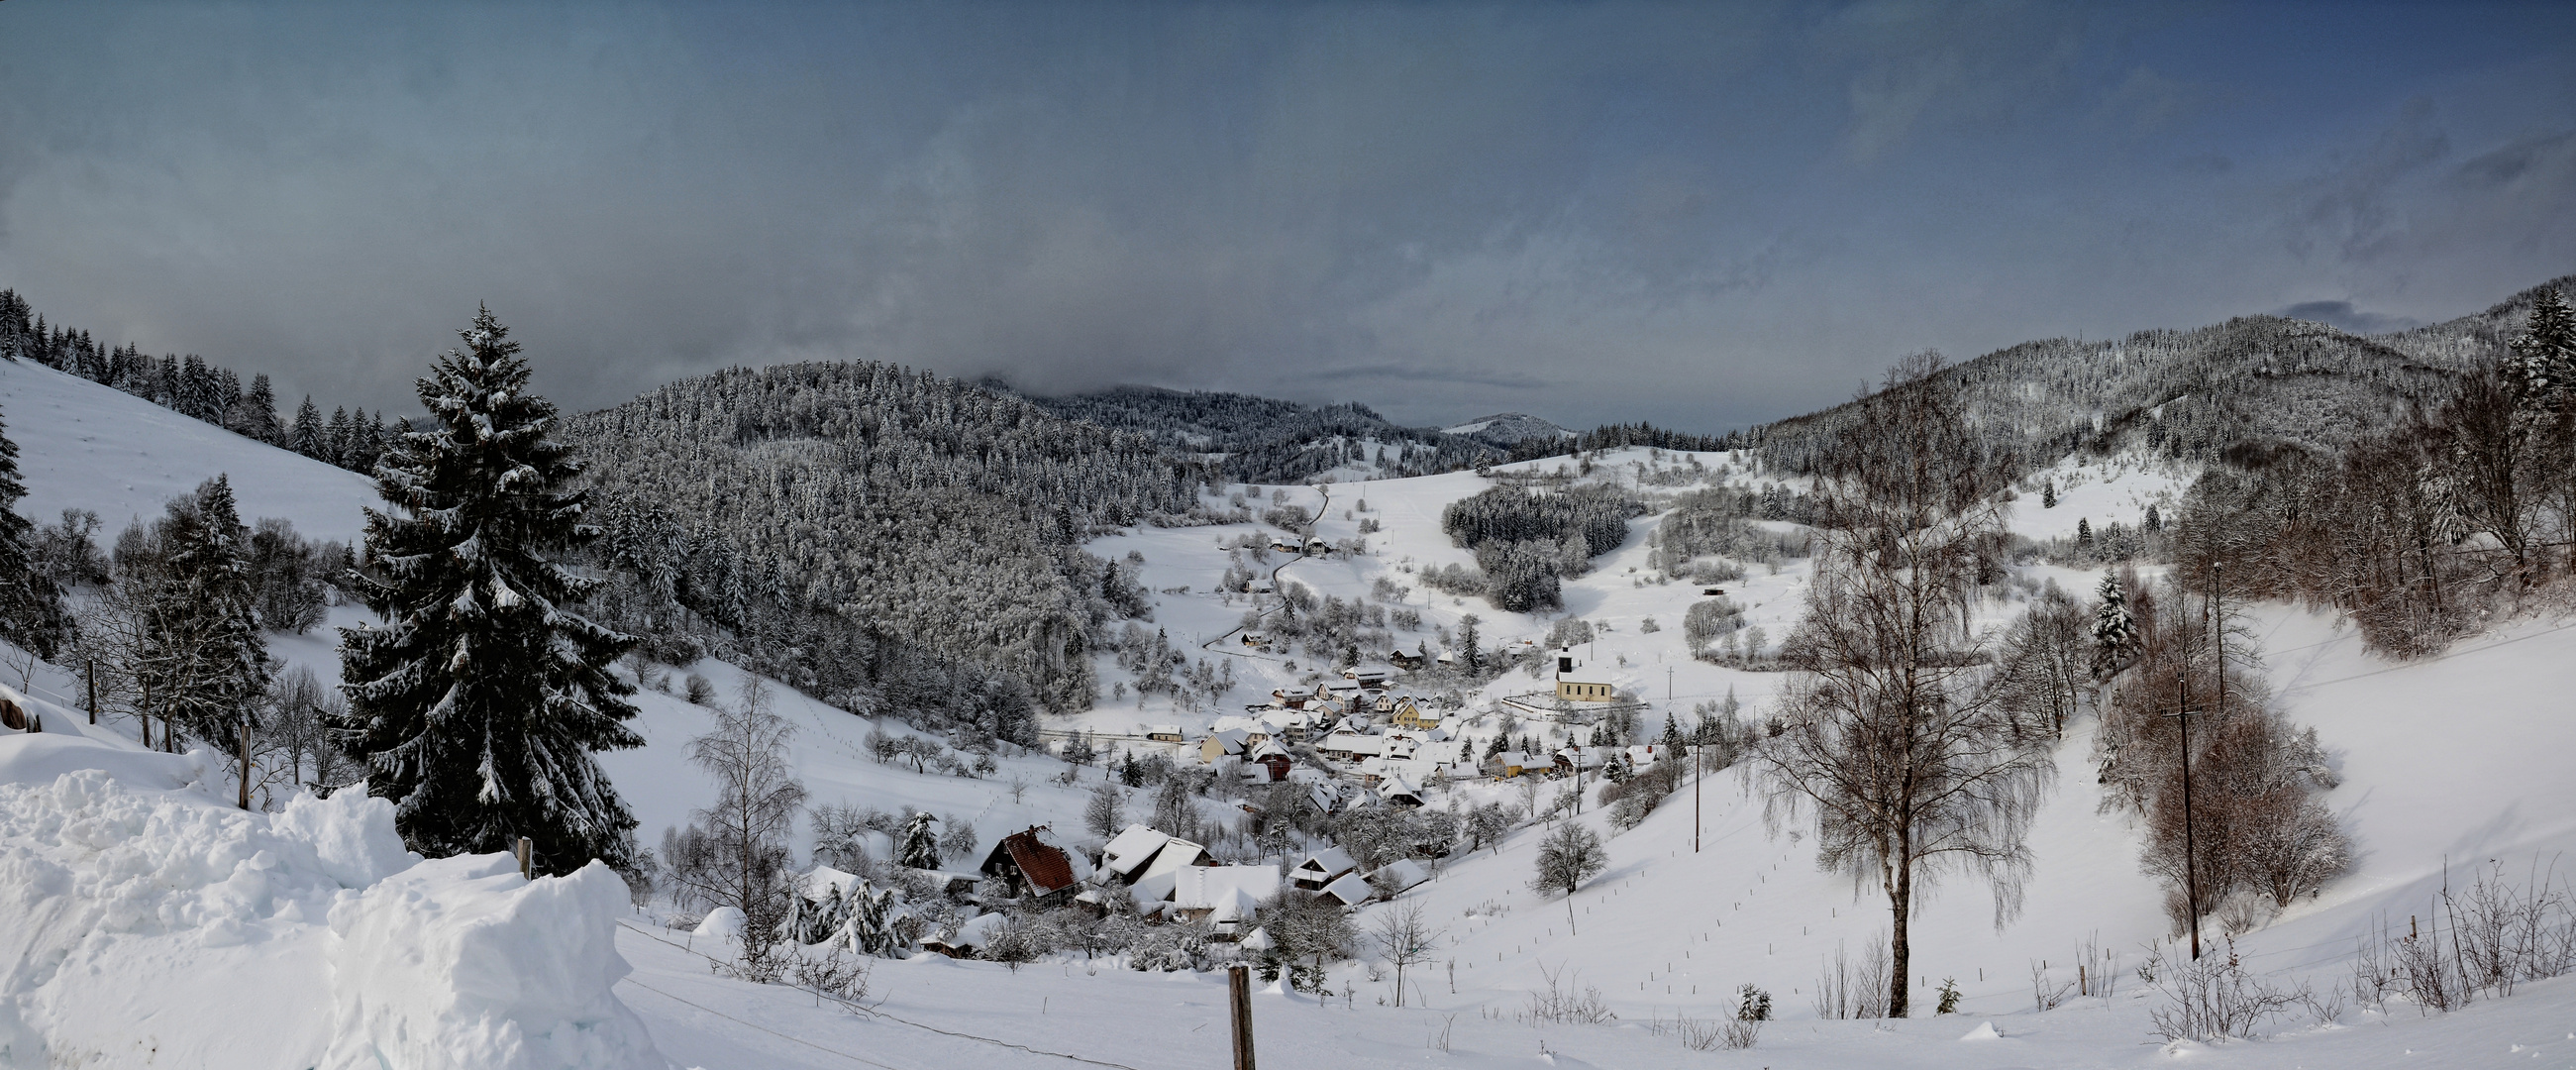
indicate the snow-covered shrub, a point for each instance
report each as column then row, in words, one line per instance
column 1455, row 579
column 1846, row 989
column 1169, row 948
column 1560, row 1004
column 2214, row 999
column 1017, row 939
column 1708, row 619
column 834, row 974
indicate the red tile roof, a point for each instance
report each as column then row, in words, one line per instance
column 1045, row 868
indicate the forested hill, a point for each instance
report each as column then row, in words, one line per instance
column 2237, row 391
column 824, row 507
column 1264, row 440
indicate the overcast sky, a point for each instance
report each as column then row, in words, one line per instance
column 1705, row 215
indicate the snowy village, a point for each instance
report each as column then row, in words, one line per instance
column 1019, row 579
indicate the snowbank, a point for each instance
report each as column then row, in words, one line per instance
column 150, row 922
column 459, row 963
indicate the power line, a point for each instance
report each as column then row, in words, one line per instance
column 761, row 1028
column 864, row 1009
column 2427, row 661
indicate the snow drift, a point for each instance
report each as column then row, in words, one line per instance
column 130, row 890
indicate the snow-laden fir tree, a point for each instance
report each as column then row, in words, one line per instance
column 920, row 847
column 2542, row 369
column 201, row 634
column 31, row 609
column 306, row 436
column 2115, row 631
column 256, row 415
column 871, row 929
column 480, row 703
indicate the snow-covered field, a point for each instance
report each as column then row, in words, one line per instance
column 146, row 923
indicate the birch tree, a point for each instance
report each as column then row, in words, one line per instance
column 1888, row 737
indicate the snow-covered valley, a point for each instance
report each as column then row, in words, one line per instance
column 151, row 924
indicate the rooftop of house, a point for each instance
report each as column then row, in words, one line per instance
column 1131, row 848
column 1329, row 861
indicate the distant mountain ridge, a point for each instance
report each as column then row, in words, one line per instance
column 2235, row 392
column 1508, row 429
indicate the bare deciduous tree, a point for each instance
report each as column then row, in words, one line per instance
column 1888, row 732
column 1402, row 935
column 741, row 855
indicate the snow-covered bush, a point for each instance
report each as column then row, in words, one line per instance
column 2214, row 998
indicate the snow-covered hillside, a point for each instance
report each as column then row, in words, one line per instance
column 86, row 446
column 153, row 910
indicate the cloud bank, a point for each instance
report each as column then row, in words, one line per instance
column 1701, row 215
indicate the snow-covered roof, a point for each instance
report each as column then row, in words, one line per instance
column 1176, row 853
column 1130, row 849
column 1224, row 888
column 824, row 882
column 1352, row 890
column 972, row 933
column 1329, row 862
column 1399, row 875
column 1345, row 740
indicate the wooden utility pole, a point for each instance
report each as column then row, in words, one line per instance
column 1238, row 987
column 245, row 764
column 2190, row 857
column 2218, row 624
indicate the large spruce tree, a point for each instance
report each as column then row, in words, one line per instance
column 481, row 701
column 205, row 651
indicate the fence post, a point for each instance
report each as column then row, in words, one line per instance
column 245, row 763
column 524, row 871
column 1238, row 984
